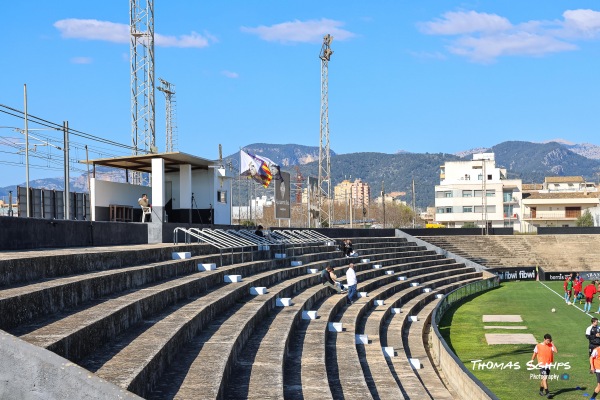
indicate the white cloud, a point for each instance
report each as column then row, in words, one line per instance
column 92, row 29
column 457, row 23
column 81, row 60
column 483, row 37
column 583, row 22
column 229, row 74
column 486, row 49
column 301, row 31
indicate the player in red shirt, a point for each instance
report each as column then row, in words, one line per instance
column 577, row 285
column 589, row 291
column 545, row 354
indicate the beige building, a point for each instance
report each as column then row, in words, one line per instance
column 558, row 202
column 358, row 191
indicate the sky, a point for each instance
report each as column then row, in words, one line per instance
column 417, row 76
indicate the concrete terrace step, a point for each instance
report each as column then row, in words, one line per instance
column 353, row 377
column 315, row 377
column 78, row 334
column 17, row 267
column 385, row 380
column 218, row 385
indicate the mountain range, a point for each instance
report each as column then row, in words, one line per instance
column 531, row 162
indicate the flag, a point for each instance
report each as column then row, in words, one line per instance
column 256, row 168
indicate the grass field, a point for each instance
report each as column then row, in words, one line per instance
column 503, row 368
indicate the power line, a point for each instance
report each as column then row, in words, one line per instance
column 53, row 125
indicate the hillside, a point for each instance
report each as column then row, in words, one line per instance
column 531, row 162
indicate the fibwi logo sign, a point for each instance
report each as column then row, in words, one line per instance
column 515, row 274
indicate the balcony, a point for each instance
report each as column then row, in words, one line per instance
column 510, row 216
column 552, row 215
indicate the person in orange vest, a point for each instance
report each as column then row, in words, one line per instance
column 545, row 356
column 595, row 368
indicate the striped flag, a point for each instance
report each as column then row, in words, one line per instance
column 256, row 168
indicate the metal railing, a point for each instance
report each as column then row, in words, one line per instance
column 243, row 240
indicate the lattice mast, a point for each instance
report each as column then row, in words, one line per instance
column 324, row 159
column 141, row 49
column 171, row 114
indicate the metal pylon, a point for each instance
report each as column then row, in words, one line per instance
column 171, row 118
column 141, row 25
column 324, row 159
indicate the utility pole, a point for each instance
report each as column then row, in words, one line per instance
column 324, row 158
column 26, row 153
column 141, row 50
column 171, row 115
column 414, row 204
column 67, row 198
column 383, row 202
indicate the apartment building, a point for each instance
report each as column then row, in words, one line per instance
column 477, row 193
column 559, row 202
column 358, row 191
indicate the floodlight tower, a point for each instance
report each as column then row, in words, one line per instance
column 171, row 135
column 324, row 160
column 141, row 49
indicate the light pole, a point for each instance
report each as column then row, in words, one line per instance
column 26, row 152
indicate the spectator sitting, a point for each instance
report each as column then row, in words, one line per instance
column 259, row 231
column 143, row 201
column 329, row 278
column 347, row 248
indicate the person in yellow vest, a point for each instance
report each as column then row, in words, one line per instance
column 545, row 356
column 595, row 368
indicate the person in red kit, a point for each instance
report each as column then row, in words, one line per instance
column 545, row 355
column 589, row 291
column 577, row 285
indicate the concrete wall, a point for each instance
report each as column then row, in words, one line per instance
column 106, row 193
column 456, row 231
column 30, row 372
column 461, row 380
column 569, row 231
column 33, row 233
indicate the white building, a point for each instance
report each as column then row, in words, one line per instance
column 255, row 210
column 477, row 193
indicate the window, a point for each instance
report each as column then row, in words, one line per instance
column 467, row 177
column 222, row 196
column 507, row 197
column 489, row 177
column 467, row 209
column 479, row 177
column 491, row 209
column 478, row 209
column 443, row 194
column 490, row 193
column 448, row 194
column 440, row 210
column 477, row 193
column 467, row 193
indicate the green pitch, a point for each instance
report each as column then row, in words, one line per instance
column 503, row 368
